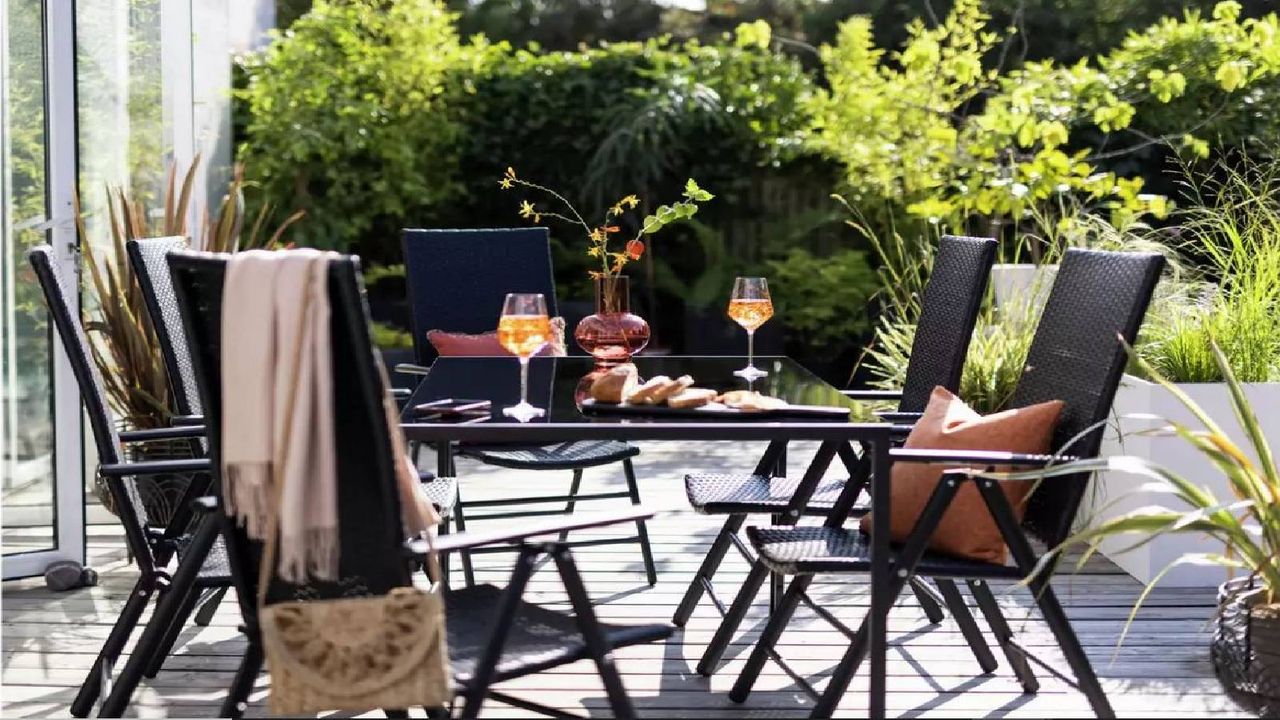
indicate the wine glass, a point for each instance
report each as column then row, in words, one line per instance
column 523, row 329
column 750, row 307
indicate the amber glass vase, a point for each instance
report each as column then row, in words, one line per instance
column 612, row 335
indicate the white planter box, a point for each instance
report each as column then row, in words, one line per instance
column 1114, row 493
column 1019, row 282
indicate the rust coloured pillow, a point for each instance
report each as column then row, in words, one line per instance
column 487, row 345
column 967, row 529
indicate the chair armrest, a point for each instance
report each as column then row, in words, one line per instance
column 155, row 467
column 464, row 541
column 975, row 457
column 206, row 504
column 412, row 369
column 181, row 420
column 169, row 433
column 401, row 393
column 426, row 476
column 872, row 394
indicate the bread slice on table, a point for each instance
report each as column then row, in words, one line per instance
column 691, row 398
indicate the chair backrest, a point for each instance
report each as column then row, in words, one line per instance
column 371, row 550
column 457, row 279
column 126, row 502
column 1098, row 299
column 948, row 312
column 148, row 260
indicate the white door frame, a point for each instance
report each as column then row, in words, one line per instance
column 61, row 170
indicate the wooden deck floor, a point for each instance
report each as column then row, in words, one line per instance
column 49, row 639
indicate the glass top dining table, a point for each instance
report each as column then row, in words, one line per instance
column 559, row 385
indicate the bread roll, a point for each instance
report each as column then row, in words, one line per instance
column 671, row 389
column 691, row 398
column 644, row 394
column 751, row 401
column 615, row 385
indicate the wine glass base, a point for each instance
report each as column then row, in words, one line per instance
column 751, row 372
column 524, row 412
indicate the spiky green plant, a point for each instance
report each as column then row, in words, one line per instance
column 122, row 340
column 1247, row 524
column 1233, row 223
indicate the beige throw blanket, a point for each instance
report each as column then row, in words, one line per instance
column 277, row 421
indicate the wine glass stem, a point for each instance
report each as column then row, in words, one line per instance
column 751, row 348
column 524, row 380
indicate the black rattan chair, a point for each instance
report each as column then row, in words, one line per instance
column 146, row 257
column 493, row 634
column 1097, row 303
column 949, row 309
column 151, row 546
column 457, row 280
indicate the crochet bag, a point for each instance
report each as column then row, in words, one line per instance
column 357, row 654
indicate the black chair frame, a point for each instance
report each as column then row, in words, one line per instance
column 147, row 258
column 950, row 309
column 509, row 260
column 152, row 548
column 1050, row 520
column 196, row 276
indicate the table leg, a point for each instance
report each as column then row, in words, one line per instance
column 775, row 579
column 881, row 597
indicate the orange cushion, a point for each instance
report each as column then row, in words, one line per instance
column 487, row 345
column 967, row 529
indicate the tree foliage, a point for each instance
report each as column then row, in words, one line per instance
column 930, row 130
column 346, row 116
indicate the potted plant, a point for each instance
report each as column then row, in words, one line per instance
column 1235, row 302
column 122, row 340
column 1240, row 527
column 612, row 334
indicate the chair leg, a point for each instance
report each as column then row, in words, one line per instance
column 209, row 606
column 572, row 502
column 926, row 596
column 170, row 637
column 732, row 619
column 468, row 574
column 777, row 582
column 446, row 466
column 166, row 612
column 597, row 644
column 486, row 666
column 707, row 570
column 1057, row 620
column 642, row 530
column 1004, row 635
column 237, row 700
column 443, row 529
column 769, row 637
column 111, row 649
column 972, row 635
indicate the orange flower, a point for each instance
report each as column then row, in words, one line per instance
column 635, row 248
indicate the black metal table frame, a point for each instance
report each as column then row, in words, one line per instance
column 874, row 438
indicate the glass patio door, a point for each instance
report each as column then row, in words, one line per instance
column 41, row 489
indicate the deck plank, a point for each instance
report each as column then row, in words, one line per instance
column 49, row 639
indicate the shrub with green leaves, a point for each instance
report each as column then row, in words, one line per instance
column 347, row 117
column 931, row 131
column 822, row 301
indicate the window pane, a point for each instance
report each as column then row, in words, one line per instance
column 123, row 137
column 27, row 423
